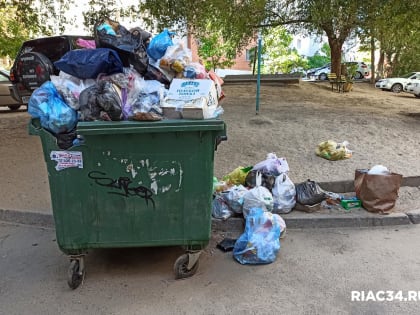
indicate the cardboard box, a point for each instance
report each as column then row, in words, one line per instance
column 351, row 203
column 190, row 99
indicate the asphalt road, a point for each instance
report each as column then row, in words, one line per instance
column 315, row 273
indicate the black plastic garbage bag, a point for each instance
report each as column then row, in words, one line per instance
column 309, row 193
column 89, row 63
column 101, row 101
column 130, row 45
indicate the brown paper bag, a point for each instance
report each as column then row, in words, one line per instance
column 378, row 193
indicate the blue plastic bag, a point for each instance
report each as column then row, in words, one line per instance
column 159, row 44
column 48, row 105
column 260, row 243
column 89, row 63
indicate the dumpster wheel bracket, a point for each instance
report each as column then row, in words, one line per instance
column 186, row 265
column 76, row 271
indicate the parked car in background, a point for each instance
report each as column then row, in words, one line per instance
column 397, row 85
column 413, row 87
column 321, row 73
column 5, row 98
column 34, row 63
column 362, row 70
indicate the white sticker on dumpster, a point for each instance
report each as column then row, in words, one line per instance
column 67, row 159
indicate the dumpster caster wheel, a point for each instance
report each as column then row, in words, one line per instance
column 182, row 267
column 75, row 274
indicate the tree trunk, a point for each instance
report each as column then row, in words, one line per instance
column 372, row 60
column 381, row 64
column 335, row 47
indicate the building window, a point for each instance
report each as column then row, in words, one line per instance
column 249, row 54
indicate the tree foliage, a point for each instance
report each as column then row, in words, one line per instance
column 278, row 56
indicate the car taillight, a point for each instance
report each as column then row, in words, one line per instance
column 12, row 76
column 364, row 66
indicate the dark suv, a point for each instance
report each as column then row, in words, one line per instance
column 34, row 63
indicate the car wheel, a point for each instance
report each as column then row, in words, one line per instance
column 358, row 75
column 323, row 76
column 417, row 95
column 14, row 107
column 33, row 69
column 396, row 88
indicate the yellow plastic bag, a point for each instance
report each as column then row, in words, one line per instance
column 237, row 176
column 333, row 151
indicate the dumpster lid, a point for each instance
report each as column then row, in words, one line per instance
column 167, row 125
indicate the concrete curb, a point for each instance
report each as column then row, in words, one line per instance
column 319, row 220
column 294, row 220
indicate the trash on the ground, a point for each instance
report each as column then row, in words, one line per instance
column 235, row 198
column 378, row 170
column 237, row 176
column 260, row 242
column 351, row 203
column 227, row 244
column 220, row 208
column 267, row 180
column 333, row 151
column 257, row 197
column 284, row 194
column 159, row 44
column 309, row 193
column 378, row 192
column 272, row 165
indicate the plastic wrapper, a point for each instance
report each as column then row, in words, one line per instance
column 70, row 87
column 284, row 194
column 333, row 151
column 54, row 114
column 272, row 165
column 159, row 44
column 235, row 198
column 89, row 63
column 220, row 208
column 101, row 101
column 258, row 197
column 260, row 242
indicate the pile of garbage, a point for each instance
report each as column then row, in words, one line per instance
column 125, row 75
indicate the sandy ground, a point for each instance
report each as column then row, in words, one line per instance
column 381, row 127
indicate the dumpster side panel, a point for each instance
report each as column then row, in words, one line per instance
column 132, row 190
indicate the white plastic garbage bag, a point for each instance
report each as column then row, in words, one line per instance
column 284, row 194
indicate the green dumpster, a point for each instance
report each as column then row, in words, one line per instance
column 133, row 184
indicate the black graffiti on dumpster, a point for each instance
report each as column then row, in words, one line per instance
column 124, row 185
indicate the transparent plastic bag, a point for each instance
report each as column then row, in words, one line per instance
column 144, row 97
column 54, row 114
column 70, row 87
column 234, row 198
column 260, row 242
column 220, row 209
